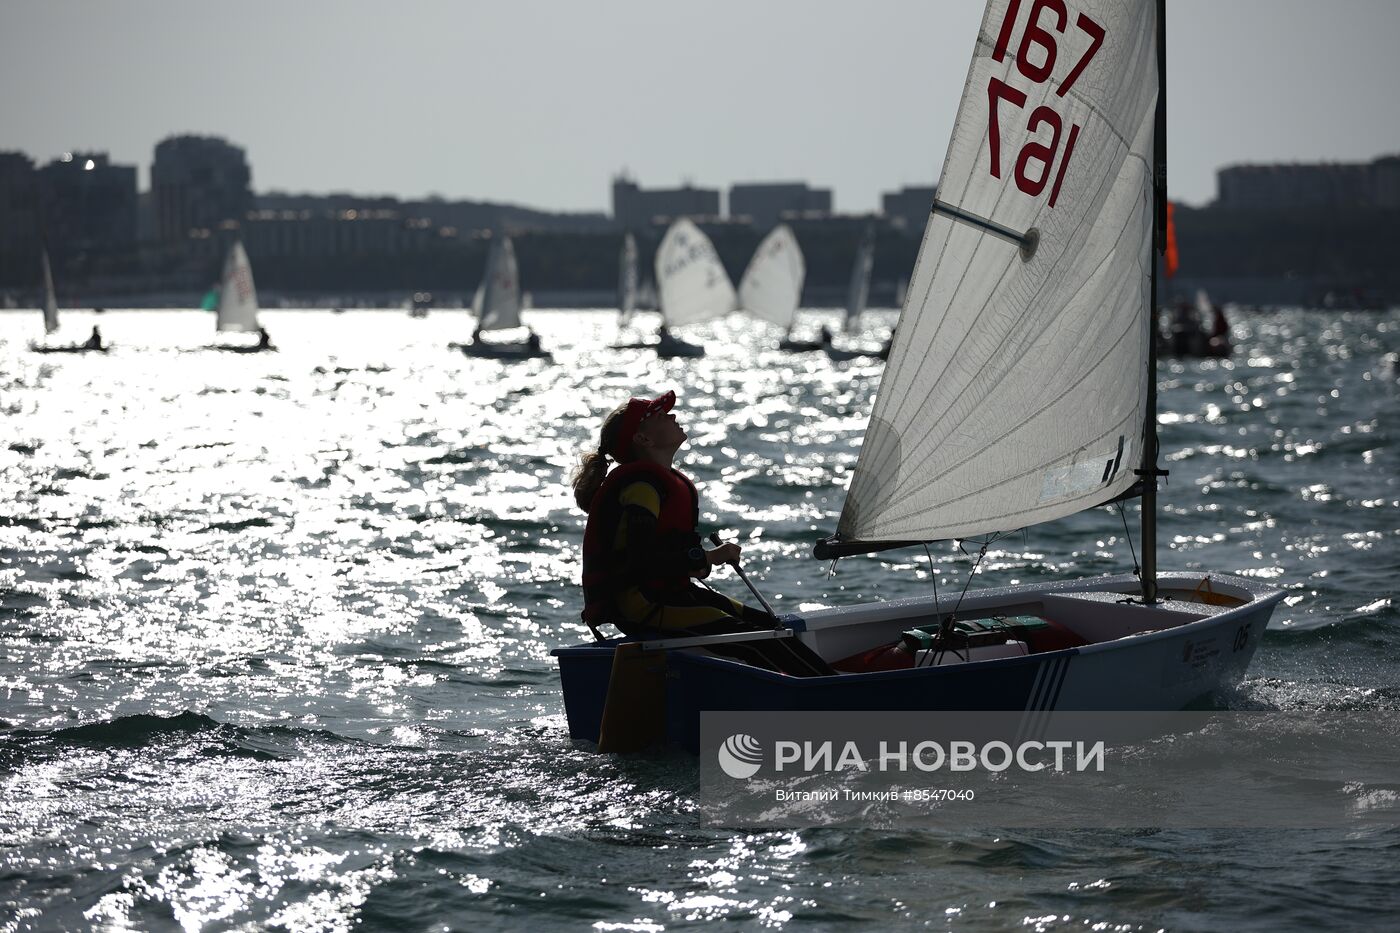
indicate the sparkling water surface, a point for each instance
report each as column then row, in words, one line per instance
column 276, row 631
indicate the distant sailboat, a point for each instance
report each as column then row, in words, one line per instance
column 692, row 283
column 771, row 288
column 51, row 318
column 857, row 293
column 1187, row 335
column 238, row 302
column 627, row 281
column 1218, row 336
column 629, row 292
column 50, row 296
column 497, row 305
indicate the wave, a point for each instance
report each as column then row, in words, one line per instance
column 131, row 731
column 257, row 522
column 1368, row 629
column 208, row 736
column 470, row 455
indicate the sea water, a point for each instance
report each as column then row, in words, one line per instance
column 276, row 630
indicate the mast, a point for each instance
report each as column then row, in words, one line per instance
column 1149, row 471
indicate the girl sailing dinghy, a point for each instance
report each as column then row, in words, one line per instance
column 497, row 305
column 771, row 288
column 693, row 286
column 1020, row 389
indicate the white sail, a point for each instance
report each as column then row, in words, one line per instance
column 500, row 289
column 50, row 297
column 859, row 289
column 900, row 291
column 238, row 298
column 1204, row 307
column 627, row 281
column 693, row 284
column 1016, row 389
column 772, row 284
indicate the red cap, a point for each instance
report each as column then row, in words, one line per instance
column 638, row 410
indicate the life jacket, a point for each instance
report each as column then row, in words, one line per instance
column 602, row 567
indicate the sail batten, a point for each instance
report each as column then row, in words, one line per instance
column 1016, row 390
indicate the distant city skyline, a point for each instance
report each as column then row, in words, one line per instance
column 542, row 104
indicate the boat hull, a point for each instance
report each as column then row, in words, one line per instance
column 75, row 348
column 843, row 355
column 238, row 348
column 679, row 350
column 1167, row 658
column 801, row 346
column 502, row 351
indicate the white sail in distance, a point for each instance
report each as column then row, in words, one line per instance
column 500, row 289
column 1016, row 389
column 691, row 280
column 859, row 290
column 772, row 284
column 627, row 281
column 50, row 297
column 238, row 297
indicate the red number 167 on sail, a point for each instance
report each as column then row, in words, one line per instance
column 1037, row 67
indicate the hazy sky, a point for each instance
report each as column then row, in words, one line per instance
column 541, row 102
